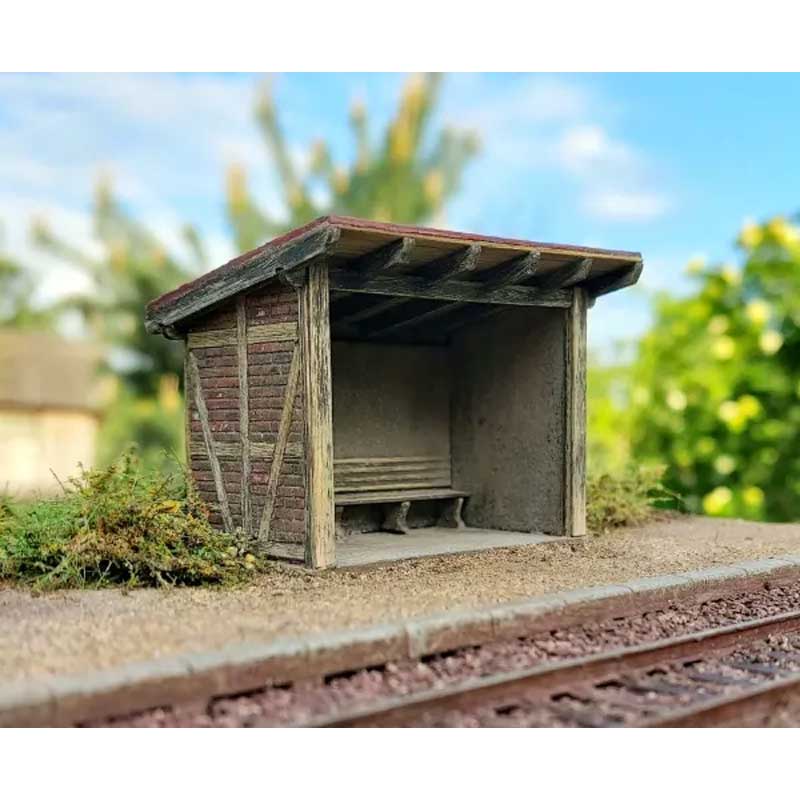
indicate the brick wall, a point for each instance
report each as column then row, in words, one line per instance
column 268, row 370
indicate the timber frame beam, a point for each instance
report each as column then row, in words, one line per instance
column 413, row 287
column 435, row 273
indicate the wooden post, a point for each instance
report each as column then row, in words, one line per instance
column 244, row 409
column 187, row 406
column 315, row 343
column 574, row 523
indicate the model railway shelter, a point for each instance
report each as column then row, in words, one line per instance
column 354, row 376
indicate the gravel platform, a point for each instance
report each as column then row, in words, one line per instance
column 78, row 631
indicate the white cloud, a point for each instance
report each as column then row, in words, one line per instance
column 629, row 206
column 560, row 134
column 584, row 149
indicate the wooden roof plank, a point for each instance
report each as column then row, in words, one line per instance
column 568, row 275
column 437, row 272
column 514, row 271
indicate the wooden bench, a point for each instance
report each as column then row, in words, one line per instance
column 396, row 483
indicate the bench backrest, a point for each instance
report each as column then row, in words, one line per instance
column 384, row 474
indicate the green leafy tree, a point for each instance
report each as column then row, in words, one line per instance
column 715, row 391
column 407, row 178
column 133, row 267
column 16, row 288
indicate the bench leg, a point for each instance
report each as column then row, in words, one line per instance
column 339, row 528
column 451, row 514
column 396, row 517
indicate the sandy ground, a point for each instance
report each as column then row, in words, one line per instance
column 74, row 631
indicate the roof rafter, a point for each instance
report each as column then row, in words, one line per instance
column 513, row 271
column 568, row 275
column 618, row 279
column 435, row 272
column 385, row 258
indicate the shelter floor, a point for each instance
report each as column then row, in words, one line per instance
column 371, row 548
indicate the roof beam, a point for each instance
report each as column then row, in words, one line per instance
column 618, row 279
column 415, row 319
column 414, row 287
column 452, row 265
column 384, row 258
column 566, row 275
column 435, row 273
column 514, row 271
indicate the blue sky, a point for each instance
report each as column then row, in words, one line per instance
column 669, row 164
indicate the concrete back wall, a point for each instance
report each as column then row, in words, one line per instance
column 390, row 400
column 508, row 419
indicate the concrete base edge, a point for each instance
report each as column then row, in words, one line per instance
column 70, row 699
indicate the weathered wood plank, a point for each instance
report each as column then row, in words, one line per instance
column 385, row 258
column 388, row 485
column 386, row 460
column 273, row 332
column 256, row 334
column 246, row 275
column 365, row 498
column 187, row 404
column 618, row 279
column 260, row 450
column 244, row 408
column 222, row 338
column 420, row 318
column 452, row 266
column 202, row 412
column 514, row 271
column 457, row 291
column 436, row 272
column 284, row 427
column 570, row 274
column 574, row 513
column 315, row 342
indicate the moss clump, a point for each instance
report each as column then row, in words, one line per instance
column 629, row 498
column 121, row 525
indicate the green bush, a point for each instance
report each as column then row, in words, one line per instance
column 124, row 524
column 716, row 382
column 627, row 498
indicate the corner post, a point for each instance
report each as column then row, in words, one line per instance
column 315, row 342
column 574, row 513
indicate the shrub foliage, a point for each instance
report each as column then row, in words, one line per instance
column 120, row 525
column 629, row 497
column 716, row 383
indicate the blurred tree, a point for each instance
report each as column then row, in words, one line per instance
column 408, row 178
column 716, row 382
column 133, row 268
column 16, row 289
column 403, row 180
column 608, row 398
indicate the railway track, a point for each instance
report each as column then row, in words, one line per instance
column 742, row 674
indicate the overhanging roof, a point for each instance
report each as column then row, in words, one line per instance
column 368, row 256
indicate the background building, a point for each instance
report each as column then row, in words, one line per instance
column 49, row 411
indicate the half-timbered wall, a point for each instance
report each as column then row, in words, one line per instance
column 248, row 415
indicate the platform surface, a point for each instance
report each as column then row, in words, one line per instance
column 370, row 548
